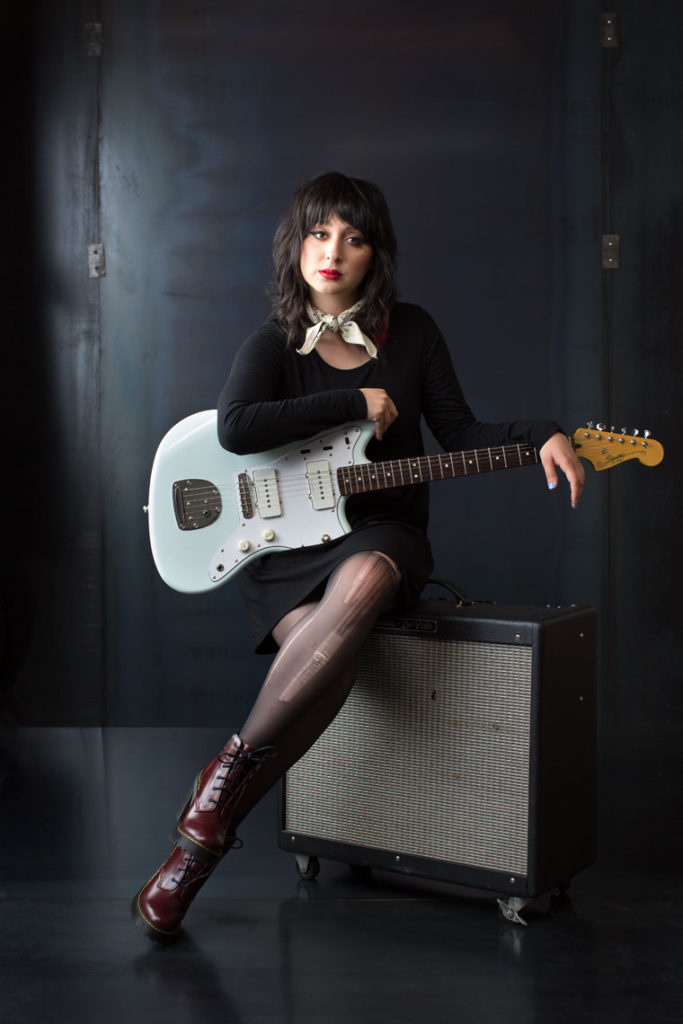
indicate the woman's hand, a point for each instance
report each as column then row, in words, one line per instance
column 381, row 409
column 558, row 453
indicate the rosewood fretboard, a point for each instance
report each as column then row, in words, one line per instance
column 375, row 476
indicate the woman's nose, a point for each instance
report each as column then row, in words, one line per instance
column 333, row 249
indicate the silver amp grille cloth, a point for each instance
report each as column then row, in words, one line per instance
column 428, row 757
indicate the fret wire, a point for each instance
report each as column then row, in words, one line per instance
column 424, row 468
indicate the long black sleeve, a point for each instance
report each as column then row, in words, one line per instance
column 450, row 418
column 256, row 410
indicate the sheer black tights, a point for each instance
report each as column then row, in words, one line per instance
column 315, row 667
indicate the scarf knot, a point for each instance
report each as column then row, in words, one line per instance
column 344, row 325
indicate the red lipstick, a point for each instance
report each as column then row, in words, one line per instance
column 330, row 275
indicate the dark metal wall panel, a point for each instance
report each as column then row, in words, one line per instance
column 211, row 116
column 644, row 317
column 53, row 664
column 208, row 116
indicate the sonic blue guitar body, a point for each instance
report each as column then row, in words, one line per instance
column 210, row 512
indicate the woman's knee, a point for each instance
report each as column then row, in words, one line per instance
column 372, row 580
column 394, row 572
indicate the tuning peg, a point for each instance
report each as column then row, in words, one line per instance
column 601, row 426
column 646, row 433
column 589, row 424
column 635, row 431
column 612, row 429
column 623, row 430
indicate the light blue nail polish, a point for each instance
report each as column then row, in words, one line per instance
column 552, row 485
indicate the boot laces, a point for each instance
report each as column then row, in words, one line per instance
column 193, row 870
column 239, row 766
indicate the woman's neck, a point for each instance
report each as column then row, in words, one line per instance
column 334, row 351
column 331, row 305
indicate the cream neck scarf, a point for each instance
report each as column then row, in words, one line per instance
column 344, row 324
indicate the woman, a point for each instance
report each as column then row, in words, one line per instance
column 339, row 348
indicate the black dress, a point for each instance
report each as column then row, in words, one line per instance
column 274, row 396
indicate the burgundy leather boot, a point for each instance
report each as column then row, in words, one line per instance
column 204, row 821
column 160, row 906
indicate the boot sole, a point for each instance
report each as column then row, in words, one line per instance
column 190, row 845
column 143, row 925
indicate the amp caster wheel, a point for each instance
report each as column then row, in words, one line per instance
column 308, row 867
column 510, row 909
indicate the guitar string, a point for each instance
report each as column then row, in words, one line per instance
column 422, row 469
column 425, row 463
column 374, row 475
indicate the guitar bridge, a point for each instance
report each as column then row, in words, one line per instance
column 196, row 503
column 246, row 504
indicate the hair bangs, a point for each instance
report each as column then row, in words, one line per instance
column 340, row 196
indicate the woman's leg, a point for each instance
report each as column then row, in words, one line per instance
column 294, row 725
column 309, row 678
column 321, row 644
column 306, row 686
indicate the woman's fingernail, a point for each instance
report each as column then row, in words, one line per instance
column 552, row 485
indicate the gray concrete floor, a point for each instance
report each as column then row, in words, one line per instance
column 80, row 833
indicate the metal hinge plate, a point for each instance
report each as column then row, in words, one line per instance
column 93, row 39
column 610, row 252
column 609, row 29
column 97, row 266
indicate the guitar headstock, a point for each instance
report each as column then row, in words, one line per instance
column 606, row 448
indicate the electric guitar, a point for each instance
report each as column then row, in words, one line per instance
column 210, row 512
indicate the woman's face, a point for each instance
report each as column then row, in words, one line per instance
column 334, row 261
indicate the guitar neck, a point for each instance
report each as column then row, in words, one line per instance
column 376, row 476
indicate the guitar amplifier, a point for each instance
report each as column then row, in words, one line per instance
column 466, row 752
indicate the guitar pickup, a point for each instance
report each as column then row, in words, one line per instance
column 267, row 493
column 320, row 484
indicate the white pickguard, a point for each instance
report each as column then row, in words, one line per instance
column 293, row 494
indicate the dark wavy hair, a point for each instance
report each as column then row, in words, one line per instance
column 358, row 203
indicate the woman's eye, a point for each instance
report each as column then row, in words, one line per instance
column 318, row 233
column 355, row 240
